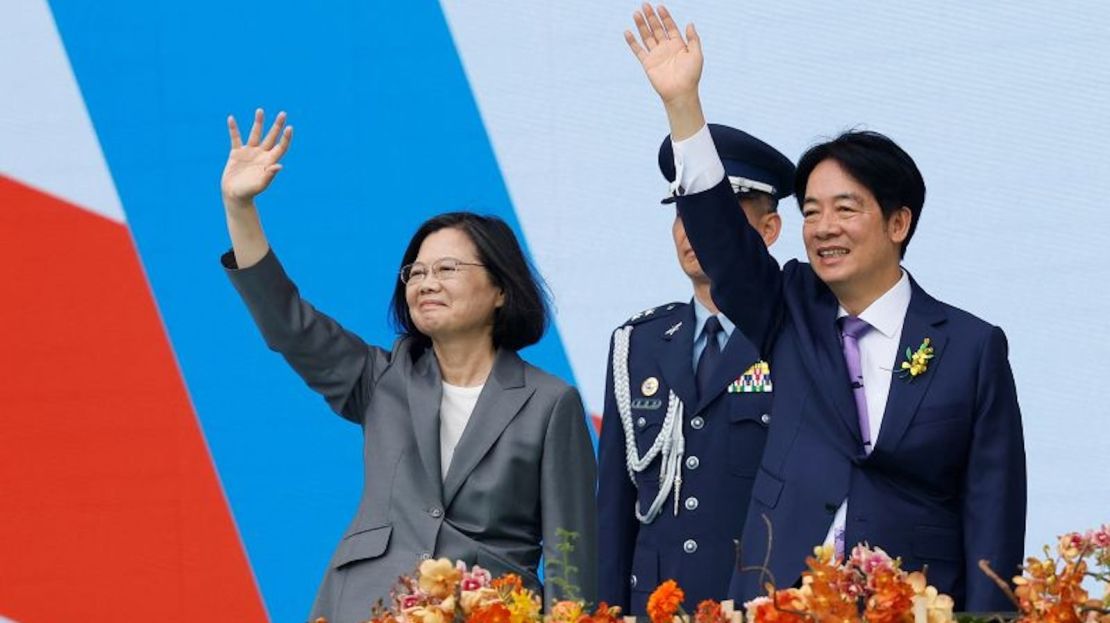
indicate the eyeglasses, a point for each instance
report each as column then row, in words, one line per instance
column 444, row 269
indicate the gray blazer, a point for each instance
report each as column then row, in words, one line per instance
column 523, row 467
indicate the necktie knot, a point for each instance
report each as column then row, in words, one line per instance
column 712, row 327
column 853, row 327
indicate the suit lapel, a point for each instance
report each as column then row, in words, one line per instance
column 923, row 318
column 824, row 358
column 676, row 357
column 500, row 401
column 739, row 354
column 425, row 392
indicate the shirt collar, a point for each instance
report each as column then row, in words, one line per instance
column 888, row 312
column 702, row 313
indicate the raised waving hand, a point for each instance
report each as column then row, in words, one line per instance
column 672, row 64
column 252, row 166
column 249, row 170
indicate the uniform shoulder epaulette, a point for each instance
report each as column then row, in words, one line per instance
column 652, row 313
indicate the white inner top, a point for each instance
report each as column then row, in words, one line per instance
column 454, row 412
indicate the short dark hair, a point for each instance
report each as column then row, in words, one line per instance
column 522, row 318
column 765, row 201
column 877, row 163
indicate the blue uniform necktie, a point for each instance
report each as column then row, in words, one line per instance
column 707, row 363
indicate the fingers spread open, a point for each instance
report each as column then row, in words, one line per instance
column 653, row 22
column 256, row 128
column 639, row 51
column 669, row 26
column 283, row 144
column 692, row 38
column 233, row 132
column 275, row 131
column 645, row 32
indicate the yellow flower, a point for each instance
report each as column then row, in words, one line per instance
column 917, row 362
column 524, row 606
column 824, row 553
column 438, row 578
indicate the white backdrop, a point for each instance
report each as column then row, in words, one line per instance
column 1002, row 104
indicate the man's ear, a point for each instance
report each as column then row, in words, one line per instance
column 770, row 226
column 898, row 225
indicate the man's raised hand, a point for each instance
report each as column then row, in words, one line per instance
column 673, row 66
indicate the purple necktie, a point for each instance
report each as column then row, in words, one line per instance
column 851, row 329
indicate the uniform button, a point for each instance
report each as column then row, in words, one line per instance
column 692, row 462
column 697, row 423
column 425, row 556
column 633, row 582
column 765, row 418
column 436, row 512
column 690, row 546
column 641, row 422
column 691, row 503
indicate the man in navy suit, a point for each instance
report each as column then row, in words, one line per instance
column 687, row 405
column 896, row 420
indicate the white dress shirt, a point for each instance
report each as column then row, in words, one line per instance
column 696, row 163
column 878, row 352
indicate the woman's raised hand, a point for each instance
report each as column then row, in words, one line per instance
column 252, row 166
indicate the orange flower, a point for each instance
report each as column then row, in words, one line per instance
column 665, row 602
column 709, row 611
column 493, row 613
column 892, row 601
column 783, row 609
column 604, row 614
column 566, row 612
column 509, row 582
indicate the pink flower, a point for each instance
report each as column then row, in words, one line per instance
column 870, row 560
column 1101, row 538
column 410, row 601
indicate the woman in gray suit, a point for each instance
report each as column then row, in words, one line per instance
column 470, row 453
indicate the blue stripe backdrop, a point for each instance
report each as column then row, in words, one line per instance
column 387, row 134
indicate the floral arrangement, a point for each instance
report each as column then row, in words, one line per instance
column 1050, row 589
column 665, row 604
column 442, row 591
column 869, row 586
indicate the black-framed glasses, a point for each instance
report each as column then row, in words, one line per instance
column 443, row 269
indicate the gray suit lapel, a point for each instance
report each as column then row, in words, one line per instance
column 425, row 391
column 501, row 399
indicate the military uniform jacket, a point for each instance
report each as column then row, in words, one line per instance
column 723, row 435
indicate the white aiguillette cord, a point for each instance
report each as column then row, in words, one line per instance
column 669, row 442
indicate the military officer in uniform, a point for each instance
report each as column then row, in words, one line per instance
column 687, row 404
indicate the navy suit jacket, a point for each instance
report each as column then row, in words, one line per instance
column 724, row 435
column 945, row 485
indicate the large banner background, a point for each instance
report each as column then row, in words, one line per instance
column 157, row 460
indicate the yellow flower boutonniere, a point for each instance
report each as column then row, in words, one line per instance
column 917, row 362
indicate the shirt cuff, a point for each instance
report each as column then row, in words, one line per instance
column 696, row 163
